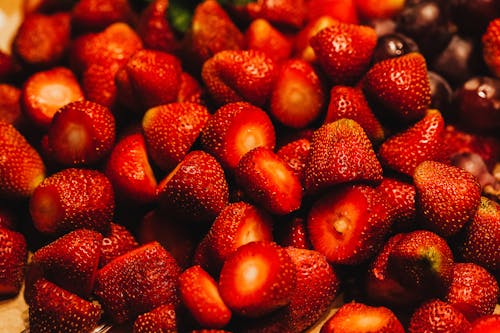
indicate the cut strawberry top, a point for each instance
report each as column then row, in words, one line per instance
column 47, row 212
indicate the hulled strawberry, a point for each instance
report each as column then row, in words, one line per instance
column 161, row 319
column 71, row 199
column 191, row 90
column 344, row 51
column 295, row 154
column 490, row 46
column 436, row 315
column 98, row 83
column 447, row 197
column 13, row 256
column 400, row 196
column 264, row 37
column 119, row 240
column 302, row 47
column 96, row 15
column 10, row 104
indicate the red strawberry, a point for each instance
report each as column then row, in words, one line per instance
column 302, row 47
column 486, row 324
column 200, row 295
column 257, row 278
column 490, row 46
column 46, row 91
column 239, row 76
column 119, row 240
column 400, row 196
column 170, row 131
column 340, row 152
column 262, row 36
column 401, row 85
column 357, row 317
column 438, row 316
column 129, row 170
column 293, row 232
column 342, row 10
column 96, row 15
column 70, row 262
column 372, row 9
column 53, row 309
column 285, row 13
column 196, row 190
column 21, row 167
column 422, row 141
column 234, row 129
column 298, row 95
column 295, row 154
column 13, row 256
column 447, row 197
column 10, row 106
column 190, row 90
column 348, row 224
column 137, row 282
column 344, row 51
column 161, row 319
column 349, row 102
column 71, row 199
column 98, row 83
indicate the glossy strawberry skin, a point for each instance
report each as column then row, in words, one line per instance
column 295, row 154
column 262, row 36
column 400, row 195
column 13, row 250
column 491, row 50
column 437, row 315
column 162, row 318
column 119, row 240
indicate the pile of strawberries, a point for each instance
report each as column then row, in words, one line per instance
column 239, row 176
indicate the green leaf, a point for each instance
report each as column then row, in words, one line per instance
column 180, row 14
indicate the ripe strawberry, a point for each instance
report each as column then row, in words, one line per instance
column 119, row 240
column 190, row 90
column 21, row 167
column 295, row 154
column 234, row 129
column 46, row 91
column 196, row 190
column 98, row 83
column 298, row 95
column 284, row 13
column 170, row 131
column 357, row 317
column 71, row 199
column 437, row 316
column 293, row 232
column 10, row 106
column 13, row 256
column 137, row 282
column 473, row 290
column 341, row 10
column 268, row 181
column 400, row 196
column 486, row 324
column 200, row 295
column 302, row 47
column 264, row 37
column 344, row 51
column 239, row 76
column 96, row 15
column 340, row 152
column 349, row 102
column 129, row 170
column 422, row 141
column 348, row 223
column 161, row 319
column 373, row 9
column 490, row 46
column 54, row 309
column 257, row 278
column 447, row 197
column 401, row 85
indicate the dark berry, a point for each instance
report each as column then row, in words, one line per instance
column 472, row 16
column 393, row 45
column 441, row 93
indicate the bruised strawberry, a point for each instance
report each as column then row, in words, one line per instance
column 341, row 10
column 21, row 167
column 199, row 292
column 10, row 104
column 486, row 324
column 285, row 13
column 302, row 47
column 119, row 240
column 348, row 223
column 196, row 190
column 239, row 76
column 170, row 131
column 81, row 133
column 358, row 317
column 71, row 199
column 400, row 197
column 262, row 36
column 257, row 279
column 447, row 197
column 436, row 315
column 13, row 256
column 54, row 309
column 137, row 282
column 47, row 91
column 295, row 154
column 234, row 129
column 422, row 141
column 161, row 319
column 344, row 51
column 490, row 45
column 96, row 15
column 341, row 152
column 401, row 85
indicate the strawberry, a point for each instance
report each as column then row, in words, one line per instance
column 473, row 290
column 70, row 261
column 137, row 282
column 490, row 46
column 284, row 13
column 71, row 199
column 357, row 317
column 239, row 76
column 21, row 167
column 348, row 223
column 485, row 324
column 81, row 133
column 268, row 181
column 302, row 47
column 196, row 190
column 9, row 67
column 161, row 319
column 298, row 95
column 9, row 218
column 119, row 240
column 401, row 85
column 199, row 293
column 373, row 9
column 344, row 51
column 257, row 278
column 190, row 90
column 350, row 102
column 129, row 170
column 96, row 15
column 341, row 152
column 98, row 83
column 295, row 154
column 293, row 232
column 13, row 256
column 447, row 197
column 170, row 131
column 46, row 91
column 422, row 141
column 264, row 37
column 341, row 10
column 234, row 129
column 437, row 316
column 10, row 106
column 400, row 196
column 54, row 309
